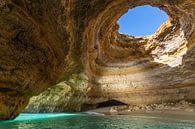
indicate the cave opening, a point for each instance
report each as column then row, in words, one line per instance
column 110, row 103
column 142, row 20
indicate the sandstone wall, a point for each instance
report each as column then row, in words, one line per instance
column 44, row 42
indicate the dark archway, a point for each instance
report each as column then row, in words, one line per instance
column 110, row 103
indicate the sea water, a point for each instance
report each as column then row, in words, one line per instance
column 95, row 121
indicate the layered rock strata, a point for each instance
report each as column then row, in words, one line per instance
column 44, row 42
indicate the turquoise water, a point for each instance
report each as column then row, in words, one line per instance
column 87, row 121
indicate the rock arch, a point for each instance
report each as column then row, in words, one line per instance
column 46, row 42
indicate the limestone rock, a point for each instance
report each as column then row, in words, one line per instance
column 62, row 97
column 43, row 43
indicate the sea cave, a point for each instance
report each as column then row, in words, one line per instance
column 78, row 56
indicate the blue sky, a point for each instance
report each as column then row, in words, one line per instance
column 142, row 20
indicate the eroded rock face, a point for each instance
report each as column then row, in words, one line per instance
column 68, row 96
column 45, row 42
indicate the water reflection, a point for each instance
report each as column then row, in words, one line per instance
column 102, row 122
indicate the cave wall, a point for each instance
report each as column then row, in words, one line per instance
column 45, row 42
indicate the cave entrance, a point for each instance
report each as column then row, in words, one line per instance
column 142, row 20
column 110, row 103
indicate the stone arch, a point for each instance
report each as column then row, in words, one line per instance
column 110, row 103
column 45, row 42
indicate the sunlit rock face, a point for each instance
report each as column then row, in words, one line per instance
column 68, row 96
column 43, row 43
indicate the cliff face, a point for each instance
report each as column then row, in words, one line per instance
column 43, row 43
column 68, row 96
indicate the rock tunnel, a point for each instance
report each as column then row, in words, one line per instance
column 110, row 103
column 73, row 48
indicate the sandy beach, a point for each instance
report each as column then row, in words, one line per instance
column 181, row 110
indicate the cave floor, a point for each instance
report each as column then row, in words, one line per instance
column 179, row 111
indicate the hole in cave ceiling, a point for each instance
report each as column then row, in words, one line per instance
column 142, row 21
